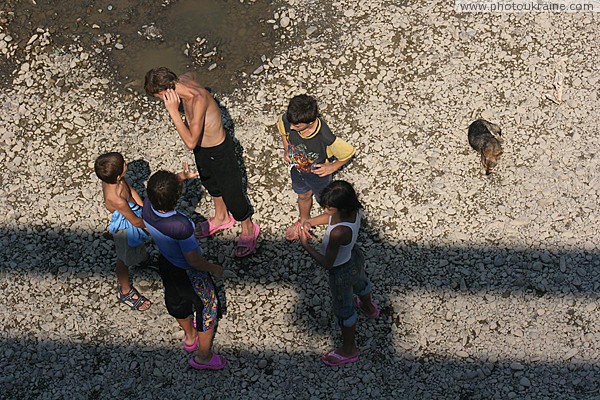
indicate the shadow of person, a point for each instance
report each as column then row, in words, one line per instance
column 190, row 198
column 138, row 172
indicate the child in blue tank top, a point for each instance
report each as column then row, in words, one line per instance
column 350, row 287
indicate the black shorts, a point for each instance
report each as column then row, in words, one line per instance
column 221, row 177
column 181, row 299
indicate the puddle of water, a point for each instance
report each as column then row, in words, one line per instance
column 237, row 30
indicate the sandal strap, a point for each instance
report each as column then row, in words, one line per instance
column 128, row 299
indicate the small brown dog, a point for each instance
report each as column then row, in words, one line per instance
column 485, row 137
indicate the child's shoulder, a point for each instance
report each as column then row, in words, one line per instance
column 116, row 192
column 178, row 227
column 112, row 201
column 323, row 130
column 323, row 123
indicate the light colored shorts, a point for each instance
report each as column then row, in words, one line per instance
column 129, row 255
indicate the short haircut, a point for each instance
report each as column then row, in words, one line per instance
column 164, row 189
column 341, row 195
column 109, row 166
column 159, row 79
column 302, row 109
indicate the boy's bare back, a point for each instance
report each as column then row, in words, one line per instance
column 117, row 196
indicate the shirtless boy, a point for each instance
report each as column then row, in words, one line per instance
column 126, row 225
column 203, row 133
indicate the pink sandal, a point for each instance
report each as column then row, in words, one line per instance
column 216, row 362
column 206, row 227
column 358, row 305
column 340, row 360
column 190, row 348
column 247, row 242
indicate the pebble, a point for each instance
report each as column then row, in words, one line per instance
column 546, row 258
column 515, row 366
column 571, row 353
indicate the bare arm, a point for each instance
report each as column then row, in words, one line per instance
column 338, row 236
column 192, row 136
column 136, row 197
column 314, row 221
column 328, row 168
column 199, row 263
column 286, row 155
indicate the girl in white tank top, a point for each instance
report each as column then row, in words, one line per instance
column 350, row 288
column 345, row 250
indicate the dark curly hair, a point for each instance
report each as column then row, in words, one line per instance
column 159, row 79
column 164, row 189
column 341, row 195
column 109, row 166
column 302, row 109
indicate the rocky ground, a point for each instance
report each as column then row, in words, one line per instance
column 488, row 285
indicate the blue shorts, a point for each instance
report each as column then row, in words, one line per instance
column 303, row 182
column 345, row 282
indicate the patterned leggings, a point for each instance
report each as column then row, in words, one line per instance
column 206, row 317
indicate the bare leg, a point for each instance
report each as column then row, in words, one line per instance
column 247, row 227
column 348, row 348
column 205, row 340
column 220, row 212
column 304, row 205
column 188, row 329
column 221, row 217
column 123, row 276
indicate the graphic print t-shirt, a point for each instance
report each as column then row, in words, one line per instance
column 306, row 152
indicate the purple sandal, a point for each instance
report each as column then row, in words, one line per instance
column 192, row 347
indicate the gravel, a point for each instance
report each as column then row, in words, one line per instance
column 488, row 285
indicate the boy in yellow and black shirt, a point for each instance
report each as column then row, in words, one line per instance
column 312, row 151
